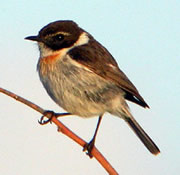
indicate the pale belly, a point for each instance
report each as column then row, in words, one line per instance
column 77, row 90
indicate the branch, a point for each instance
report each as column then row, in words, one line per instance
column 62, row 128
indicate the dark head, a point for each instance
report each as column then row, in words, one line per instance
column 58, row 35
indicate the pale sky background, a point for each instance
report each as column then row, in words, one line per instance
column 143, row 36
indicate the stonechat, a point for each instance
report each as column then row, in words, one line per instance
column 83, row 78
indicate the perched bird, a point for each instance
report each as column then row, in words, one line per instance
column 83, row 78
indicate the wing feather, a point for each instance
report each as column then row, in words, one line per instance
column 97, row 58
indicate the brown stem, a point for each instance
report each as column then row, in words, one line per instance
column 62, row 128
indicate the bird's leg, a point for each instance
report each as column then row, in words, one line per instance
column 50, row 115
column 89, row 146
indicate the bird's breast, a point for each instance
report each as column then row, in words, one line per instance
column 47, row 64
column 50, row 59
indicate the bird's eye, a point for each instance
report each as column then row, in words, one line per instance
column 59, row 37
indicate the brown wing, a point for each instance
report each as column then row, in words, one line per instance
column 96, row 58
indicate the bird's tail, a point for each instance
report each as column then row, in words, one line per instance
column 146, row 140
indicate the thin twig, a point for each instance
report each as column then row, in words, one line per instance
column 63, row 129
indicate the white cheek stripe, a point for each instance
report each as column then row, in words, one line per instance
column 44, row 51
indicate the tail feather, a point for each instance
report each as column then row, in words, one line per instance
column 146, row 140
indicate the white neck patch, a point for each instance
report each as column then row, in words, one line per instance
column 83, row 39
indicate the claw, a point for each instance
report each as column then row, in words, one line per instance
column 88, row 148
column 48, row 114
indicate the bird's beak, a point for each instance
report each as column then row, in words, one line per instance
column 33, row 38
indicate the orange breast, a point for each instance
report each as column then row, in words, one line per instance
column 47, row 64
column 50, row 59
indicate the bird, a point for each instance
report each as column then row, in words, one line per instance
column 84, row 79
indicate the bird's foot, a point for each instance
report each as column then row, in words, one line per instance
column 49, row 115
column 88, row 147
